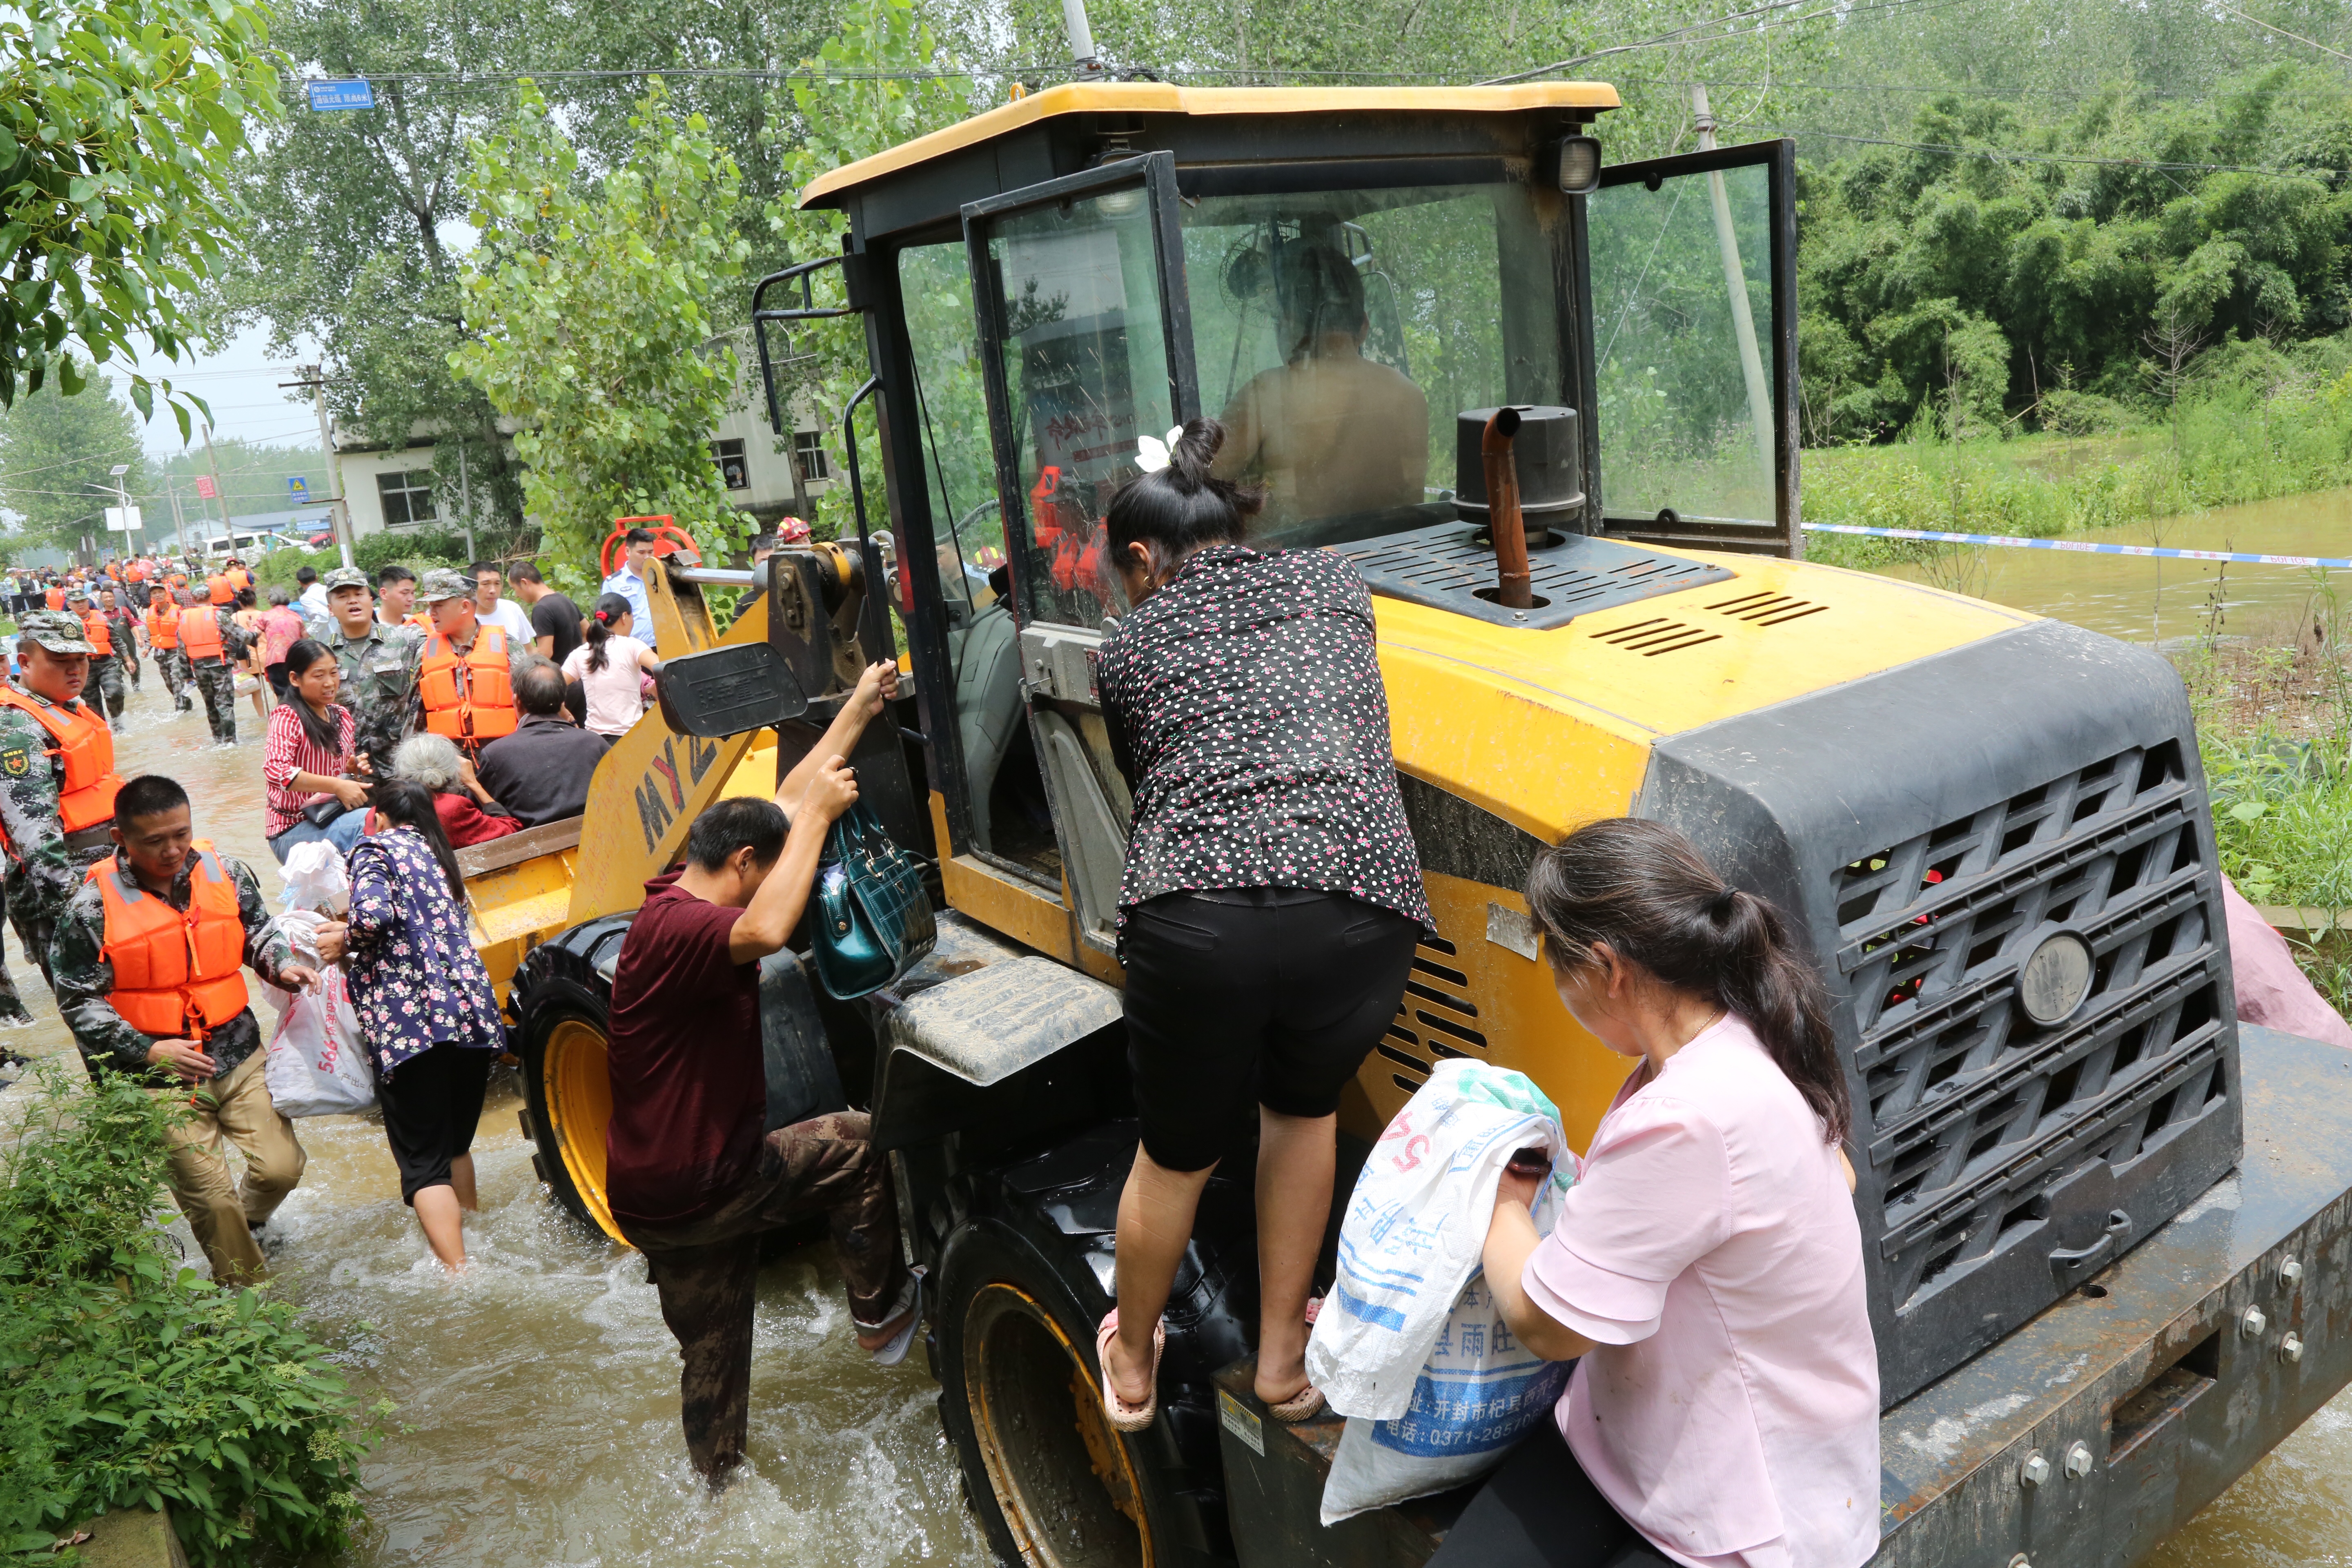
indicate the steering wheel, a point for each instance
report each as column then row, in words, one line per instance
column 668, row 539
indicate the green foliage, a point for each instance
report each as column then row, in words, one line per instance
column 120, row 123
column 126, row 1379
column 416, row 549
column 55, row 452
column 589, row 302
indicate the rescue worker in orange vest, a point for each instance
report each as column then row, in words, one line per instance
column 55, row 598
column 57, row 783
column 124, row 621
column 145, row 964
column 465, row 681
column 238, row 577
column 214, row 645
column 163, row 614
column 105, row 666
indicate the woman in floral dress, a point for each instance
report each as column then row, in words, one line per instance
column 425, row 1003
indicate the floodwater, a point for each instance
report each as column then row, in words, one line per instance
column 537, row 1396
column 2142, row 599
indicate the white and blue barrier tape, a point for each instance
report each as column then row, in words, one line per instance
column 2079, row 546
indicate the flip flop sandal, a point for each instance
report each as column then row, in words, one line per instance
column 910, row 1301
column 1308, row 1402
column 1123, row 1417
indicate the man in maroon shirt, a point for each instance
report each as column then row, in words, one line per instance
column 691, row 1179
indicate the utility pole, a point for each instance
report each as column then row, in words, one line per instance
column 220, row 491
column 1082, row 36
column 466, row 501
column 338, row 511
column 1734, row 278
column 179, row 518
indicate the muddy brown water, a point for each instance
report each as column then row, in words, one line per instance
column 537, row 1396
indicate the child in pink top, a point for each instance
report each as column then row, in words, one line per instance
column 1706, row 1267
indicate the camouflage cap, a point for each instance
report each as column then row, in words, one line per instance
column 344, row 577
column 56, row 631
column 76, row 591
column 443, row 582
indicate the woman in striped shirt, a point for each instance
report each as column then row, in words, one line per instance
column 308, row 756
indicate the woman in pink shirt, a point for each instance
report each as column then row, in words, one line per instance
column 1706, row 1268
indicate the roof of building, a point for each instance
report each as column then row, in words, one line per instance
column 1164, row 98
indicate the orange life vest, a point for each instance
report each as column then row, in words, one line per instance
column 86, row 797
column 94, row 627
column 220, row 589
column 56, row 598
column 138, row 572
column 469, row 699
column 239, row 578
column 162, row 630
column 200, row 634
column 176, row 976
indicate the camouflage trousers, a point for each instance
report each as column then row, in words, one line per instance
column 13, row 1011
column 705, row 1271
column 217, row 679
column 174, row 664
column 106, row 681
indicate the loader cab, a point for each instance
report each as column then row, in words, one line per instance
column 1339, row 276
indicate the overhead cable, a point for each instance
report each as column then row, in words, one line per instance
column 1995, row 155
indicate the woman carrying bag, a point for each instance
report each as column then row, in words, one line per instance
column 425, row 1004
column 1271, row 897
column 306, row 759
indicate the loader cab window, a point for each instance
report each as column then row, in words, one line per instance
column 1337, row 334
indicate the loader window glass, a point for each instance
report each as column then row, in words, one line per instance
column 935, row 281
column 1085, row 373
column 1684, row 383
column 1338, row 335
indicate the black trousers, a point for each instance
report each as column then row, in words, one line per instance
column 1540, row 1510
column 1270, row 995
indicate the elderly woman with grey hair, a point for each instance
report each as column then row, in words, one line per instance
column 459, row 797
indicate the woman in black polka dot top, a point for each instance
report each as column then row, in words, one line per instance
column 1271, row 897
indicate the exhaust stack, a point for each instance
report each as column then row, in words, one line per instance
column 1513, row 588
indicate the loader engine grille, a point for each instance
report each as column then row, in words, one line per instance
column 1975, row 1110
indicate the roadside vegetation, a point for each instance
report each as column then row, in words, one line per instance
column 127, row 1379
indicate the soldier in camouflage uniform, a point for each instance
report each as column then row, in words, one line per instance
column 216, row 678
column 126, row 622
column 379, row 665
column 105, row 670
column 170, row 662
column 45, row 866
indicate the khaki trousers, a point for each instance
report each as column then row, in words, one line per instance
column 237, row 1108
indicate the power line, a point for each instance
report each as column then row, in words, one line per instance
column 1989, row 153
column 1680, row 35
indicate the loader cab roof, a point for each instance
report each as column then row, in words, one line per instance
column 1218, row 135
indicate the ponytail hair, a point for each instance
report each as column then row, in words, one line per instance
column 1641, row 888
column 1183, row 507
column 609, row 611
column 404, row 802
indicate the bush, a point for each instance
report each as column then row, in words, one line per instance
column 418, row 551
column 126, row 1379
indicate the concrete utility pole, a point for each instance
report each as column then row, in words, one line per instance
column 466, row 501
column 220, row 491
column 179, row 518
column 1082, row 35
column 339, row 510
column 1734, row 278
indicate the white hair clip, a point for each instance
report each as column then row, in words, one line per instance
column 1151, row 456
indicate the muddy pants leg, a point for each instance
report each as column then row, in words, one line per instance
column 273, row 1156
column 830, row 1166
column 705, row 1299
column 203, row 1187
column 14, row 1013
column 174, row 667
column 217, row 680
column 131, row 666
column 106, row 674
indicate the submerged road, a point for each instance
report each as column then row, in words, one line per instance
column 536, row 1419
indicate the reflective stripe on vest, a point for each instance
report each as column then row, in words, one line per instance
column 94, row 627
column 176, row 976
column 469, row 698
column 85, row 744
column 162, row 630
column 200, row 634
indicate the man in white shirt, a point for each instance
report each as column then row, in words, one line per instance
column 629, row 582
column 504, row 613
column 313, row 598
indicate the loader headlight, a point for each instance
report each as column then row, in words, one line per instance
column 1579, row 165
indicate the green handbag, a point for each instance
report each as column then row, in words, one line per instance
column 871, row 921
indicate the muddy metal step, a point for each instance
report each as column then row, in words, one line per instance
column 2080, row 1440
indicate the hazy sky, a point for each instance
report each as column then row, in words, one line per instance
column 241, row 384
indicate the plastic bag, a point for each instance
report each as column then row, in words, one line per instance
column 318, row 1062
column 1415, row 1227
column 1478, row 1393
column 315, row 877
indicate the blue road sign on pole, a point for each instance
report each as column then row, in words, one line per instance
column 353, row 94
column 298, row 490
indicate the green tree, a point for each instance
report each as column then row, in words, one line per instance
column 120, row 123
column 588, row 312
column 55, row 454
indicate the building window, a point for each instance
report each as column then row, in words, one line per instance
column 734, row 472
column 407, row 498
column 808, row 451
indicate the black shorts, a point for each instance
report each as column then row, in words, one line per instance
column 431, row 1104
column 1540, row 1510
column 276, row 673
column 1274, row 1002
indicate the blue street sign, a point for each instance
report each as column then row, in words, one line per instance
column 298, row 490
column 354, row 94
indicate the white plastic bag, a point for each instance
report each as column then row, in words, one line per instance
column 315, row 877
column 1415, row 1227
column 318, row 1062
column 1479, row 1393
